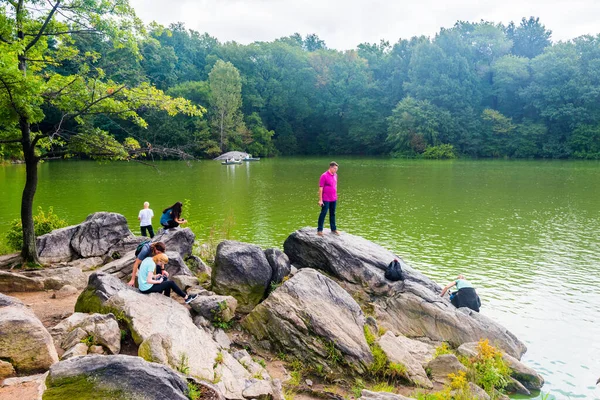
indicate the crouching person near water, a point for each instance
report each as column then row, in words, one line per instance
column 466, row 296
column 151, row 282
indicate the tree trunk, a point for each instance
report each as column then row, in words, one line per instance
column 29, row 250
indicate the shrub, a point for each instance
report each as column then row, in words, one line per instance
column 441, row 152
column 42, row 222
column 491, row 372
column 442, row 349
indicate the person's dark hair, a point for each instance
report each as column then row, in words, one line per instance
column 176, row 208
column 333, row 164
column 160, row 246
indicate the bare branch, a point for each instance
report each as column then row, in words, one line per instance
column 37, row 139
column 98, row 100
column 10, row 140
column 12, row 101
column 59, row 91
column 4, row 40
column 82, row 31
column 43, row 28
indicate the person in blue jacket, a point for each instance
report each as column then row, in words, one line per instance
column 171, row 217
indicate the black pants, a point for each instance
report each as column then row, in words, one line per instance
column 165, row 288
column 171, row 224
column 327, row 206
column 466, row 297
column 150, row 230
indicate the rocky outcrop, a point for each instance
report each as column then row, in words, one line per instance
column 55, row 247
column 179, row 240
column 521, row 372
column 312, row 318
column 123, row 267
column 369, row 395
column 241, row 270
column 280, row 264
column 411, row 307
column 111, row 377
column 150, row 314
column 101, row 329
column 43, row 279
column 24, row 341
column 442, row 366
column 215, row 308
column 397, row 353
column 100, row 233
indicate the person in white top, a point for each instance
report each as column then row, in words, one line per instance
column 145, row 216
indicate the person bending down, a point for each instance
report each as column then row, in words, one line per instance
column 171, row 217
column 466, row 296
column 150, row 282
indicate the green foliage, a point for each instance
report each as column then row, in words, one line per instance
column 217, row 317
column 383, row 387
column 369, row 337
column 442, row 349
column 43, row 222
column 183, row 364
column 487, row 369
column 225, row 101
column 441, row 152
column 193, row 392
column 358, row 387
column 89, row 340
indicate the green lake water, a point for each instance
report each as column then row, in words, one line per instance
column 526, row 233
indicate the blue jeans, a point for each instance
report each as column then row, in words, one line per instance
column 327, row 205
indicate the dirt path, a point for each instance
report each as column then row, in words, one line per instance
column 50, row 311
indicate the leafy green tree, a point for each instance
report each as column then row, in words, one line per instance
column 416, row 124
column 43, row 73
column 260, row 143
column 225, row 100
column 530, row 38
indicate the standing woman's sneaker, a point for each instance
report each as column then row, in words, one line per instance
column 190, row 298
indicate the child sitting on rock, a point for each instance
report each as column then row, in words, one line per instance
column 150, row 282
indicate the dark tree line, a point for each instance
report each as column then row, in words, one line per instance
column 476, row 89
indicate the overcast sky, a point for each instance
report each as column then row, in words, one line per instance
column 343, row 24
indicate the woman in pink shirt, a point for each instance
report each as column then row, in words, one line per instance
column 328, row 197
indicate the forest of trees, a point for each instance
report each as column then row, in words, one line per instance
column 474, row 90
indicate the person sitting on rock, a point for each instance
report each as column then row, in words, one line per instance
column 171, row 217
column 466, row 296
column 151, row 282
column 148, row 250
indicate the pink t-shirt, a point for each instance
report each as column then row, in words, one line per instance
column 329, row 184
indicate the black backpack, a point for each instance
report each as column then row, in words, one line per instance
column 140, row 246
column 393, row 272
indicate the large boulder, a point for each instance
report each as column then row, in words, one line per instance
column 103, row 328
column 150, row 314
column 16, row 282
column 411, row 307
column 118, row 376
column 215, row 308
column 396, row 352
column 180, row 240
column 521, row 372
column 444, row 365
column 98, row 233
column 241, row 270
column 280, row 264
column 369, row 395
column 23, row 339
column 102, row 234
column 55, row 247
column 312, row 318
column 43, row 279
